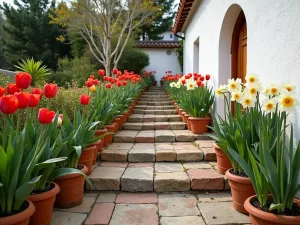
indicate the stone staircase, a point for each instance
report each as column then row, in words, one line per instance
column 155, row 152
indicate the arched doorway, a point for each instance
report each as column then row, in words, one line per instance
column 239, row 48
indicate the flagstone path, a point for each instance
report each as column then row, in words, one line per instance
column 155, row 172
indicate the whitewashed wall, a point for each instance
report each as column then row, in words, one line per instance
column 161, row 62
column 273, row 41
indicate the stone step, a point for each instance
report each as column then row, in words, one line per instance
column 154, row 126
column 159, row 152
column 155, row 103
column 154, row 95
column 154, row 118
column 158, row 176
column 155, row 111
column 152, row 136
column 153, row 99
column 150, row 107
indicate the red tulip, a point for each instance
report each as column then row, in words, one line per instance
column 106, row 78
column 108, row 85
column 50, row 90
column 207, row 76
column 37, row 91
column 92, row 76
column 12, row 88
column 45, row 116
column 101, row 73
column 115, row 70
column 89, row 83
column 202, row 78
column 183, row 82
column 199, row 83
column 124, row 83
column 23, row 80
column 9, row 104
column 119, row 73
column 119, row 83
column 2, row 91
column 34, row 100
column 84, row 99
column 24, row 99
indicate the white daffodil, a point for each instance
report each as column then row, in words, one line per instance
column 234, row 85
column 272, row 90
column 248, row 101
column 172, row 84
column 269, row 105
column 287, row 101
column 289, row 87
column 191, row 85
column 251, row 78
column 178, row 85
column 220, row 92
column 253, row 88
column 237, row 96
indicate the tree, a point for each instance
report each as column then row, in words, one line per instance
column 3, row 62
column 100, row 21
column 161, row 23
column 29, row 33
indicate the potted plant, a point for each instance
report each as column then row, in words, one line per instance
column 274, row 172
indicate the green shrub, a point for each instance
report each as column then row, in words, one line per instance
column 72, row 72
column 133, row 60
column 4, row 79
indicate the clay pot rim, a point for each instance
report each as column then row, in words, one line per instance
column 102, row 131
column 45, row 195
column 238, row 179
column 19, row 217
column 69, row 176
column 109, row 126
column 90, row 148
column 269, row 217
column 216, row 146
column 199, row 118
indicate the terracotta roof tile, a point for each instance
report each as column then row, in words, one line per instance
column 157, row 44
column 182, row 13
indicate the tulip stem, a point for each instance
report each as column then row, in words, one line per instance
column 4, row 132
column 18, row 122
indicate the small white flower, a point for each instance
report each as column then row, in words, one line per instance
column 172, row 84
column 220, row 92
column 269, row 105
column 253, row 89
column 287, row 101
column 248, row 101
column 237, row 96
column 178, row 85
column 59, row 121
column 289, row 87
column 251, row 78
column 191, row 85
column 234, row 85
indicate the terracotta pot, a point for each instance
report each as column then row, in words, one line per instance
column 121, row 120
column 125, row 114
column 241, row 189
column 98, row 145
column 259, row 217
column 71, row 189
column 155, row 83
column 223, row 162
column 98, row 133
column 108, row 138
column 86, row 158
column 182, row 115
column 199, row 125
column 118, row 122
column 130, row 109
column 100, row 149
column 21, row 218
column 43, row 203
column 186, row 118
column 115, row 127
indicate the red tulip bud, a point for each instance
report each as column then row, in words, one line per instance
column 207, row 76
column 50, row 90
column 24, row 99
column 23, row 80
column 84, row 99
column 37, row 91
column 124, row 83
column 101, row 73
column 2, row 91
column 9, row 104
column 12, row 89
column 108, row 85
column 115, row 70
column 202, row 78
column 45, row 116
column 34, row 100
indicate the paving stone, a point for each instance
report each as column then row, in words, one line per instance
column 205, row 143
column 197, row 165
column 137, row 179
column 184, row 145
column 161, row 167
column 161, row 118
column 222, row 213
column 184, row 136
column 162, row 126
column 176, row 181
column 139, row 111
column 137, row 198
column 177, row 205
column 174, row 118
column 66, row 218
column 132, row 126
column 164, row 146
column 190, row 220
column 101, row 214
column 177, row 125
column 90, row 194
column 144, row 137
column 214, row 197
column 206, row 179
column 141, row 155
column 106, row 197
column 209, row 154
column 84, row 207
column 135, row 214
column 226, row 183
column 149, row 118
column 148, row 126
column 202, row 137
column 106, row 178
column 140, row 165
column 167, row 136
column 121, row 146
column 189, row 155
column 165, row 155
column 143, row 145
column 125, row 136
column 135, row 118
column 114, row 164
column 114, row 155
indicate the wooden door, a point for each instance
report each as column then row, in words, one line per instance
column 239, row 48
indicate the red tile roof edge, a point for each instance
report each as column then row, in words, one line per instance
column 157, row 44
column 184, row 8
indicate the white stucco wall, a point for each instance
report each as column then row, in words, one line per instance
column 161, row 62
column 273, row 28
column 167, row 36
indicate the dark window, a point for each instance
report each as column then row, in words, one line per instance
column 171, row 35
